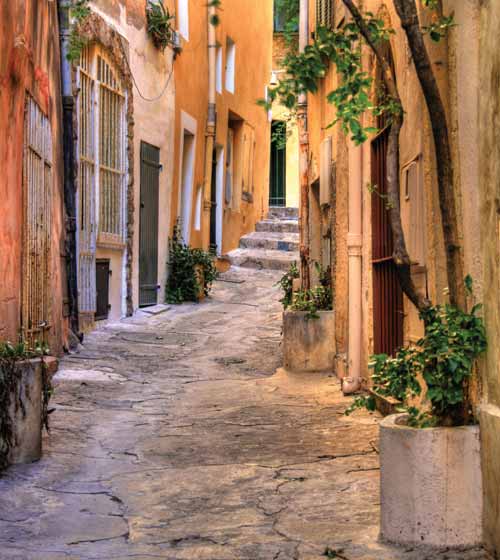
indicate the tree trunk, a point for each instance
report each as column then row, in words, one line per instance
column 401, row 257
column 407, row 11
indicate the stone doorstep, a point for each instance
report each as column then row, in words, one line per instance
column 284, row 226
column 263, row 259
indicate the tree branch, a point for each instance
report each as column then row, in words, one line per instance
column 401, row 257
column 407, row 11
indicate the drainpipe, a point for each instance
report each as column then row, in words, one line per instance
column 352, row 382
column 69, row 167
column 304, row 156
column 211, row 117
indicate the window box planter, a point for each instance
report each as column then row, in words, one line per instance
column 25, row 412
column 431, row 485
column 309, row 343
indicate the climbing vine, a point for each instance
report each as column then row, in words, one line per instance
column 78, row 12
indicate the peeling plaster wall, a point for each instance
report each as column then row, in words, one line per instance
column 150, row 120
column 29, row 62
column 489, row 191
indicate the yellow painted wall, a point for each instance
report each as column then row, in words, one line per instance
column 253, row 71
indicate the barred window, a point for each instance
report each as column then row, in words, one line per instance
column 102, row 142
column 37, row 197
column 324, row 13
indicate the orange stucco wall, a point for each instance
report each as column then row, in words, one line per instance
column 29, row 62
column 253, row 70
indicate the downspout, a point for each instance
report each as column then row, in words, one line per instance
column 211, row 116
column 352, row 382
column 69, row 166
column 304, row 156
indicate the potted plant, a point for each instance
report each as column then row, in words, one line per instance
column 308, row 323
column 431, row 491
column 25, row 391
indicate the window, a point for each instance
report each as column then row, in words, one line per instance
column 324, row 13
column 37, row 186
column 218, row 69
column 229, row 166
column 102, row 166
column 183, row 18
column 285, row 19
column 230, row 64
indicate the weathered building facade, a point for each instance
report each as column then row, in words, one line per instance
column 347, row 192
column 124, row 123
column 222, row 137
column 489, row 198
column 33, row 291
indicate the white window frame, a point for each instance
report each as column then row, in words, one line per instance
column 183, row 18
column 186, row 177
column 218, row 68
column 230, row 65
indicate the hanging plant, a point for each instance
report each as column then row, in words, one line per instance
column 159, row 24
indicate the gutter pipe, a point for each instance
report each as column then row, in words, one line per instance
column 68, row 104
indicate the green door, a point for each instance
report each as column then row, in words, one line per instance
column 148, row 235
column 277, row 180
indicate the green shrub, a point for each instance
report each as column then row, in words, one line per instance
column 444, row 358
column 183, row 282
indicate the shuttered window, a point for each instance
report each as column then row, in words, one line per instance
column 324, row 13
column 37, row 199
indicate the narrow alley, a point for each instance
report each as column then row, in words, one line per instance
column 174, row 437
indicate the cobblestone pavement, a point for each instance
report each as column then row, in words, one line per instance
column 174, row 438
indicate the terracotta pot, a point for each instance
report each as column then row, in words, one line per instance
column 431, row 484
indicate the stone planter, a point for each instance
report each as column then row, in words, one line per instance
column 431, row 485
column 309, row 343
column 27, row 419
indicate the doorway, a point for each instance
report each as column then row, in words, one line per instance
column 216, row 202
column 188, row 146
column 277, row 179
column 102, row 289
column 388, row 311
column 148, row 234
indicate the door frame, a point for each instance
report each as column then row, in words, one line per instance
column 186, row 177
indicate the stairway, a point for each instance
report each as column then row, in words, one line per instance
column 274, row 245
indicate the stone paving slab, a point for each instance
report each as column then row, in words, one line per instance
column 178, row 437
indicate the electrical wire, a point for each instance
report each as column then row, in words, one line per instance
column 147, row 99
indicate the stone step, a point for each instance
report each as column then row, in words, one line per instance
column 282, row 226
column 283, row 213
column 276, row 241
column 263, row 259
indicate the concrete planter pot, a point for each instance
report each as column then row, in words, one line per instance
column 431, row 485
column 309, row 343
column 26, row 414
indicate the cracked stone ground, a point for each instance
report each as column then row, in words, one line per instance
column 175, row 438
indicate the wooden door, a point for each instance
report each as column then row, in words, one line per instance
column 102, row 289
column 148, row 235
